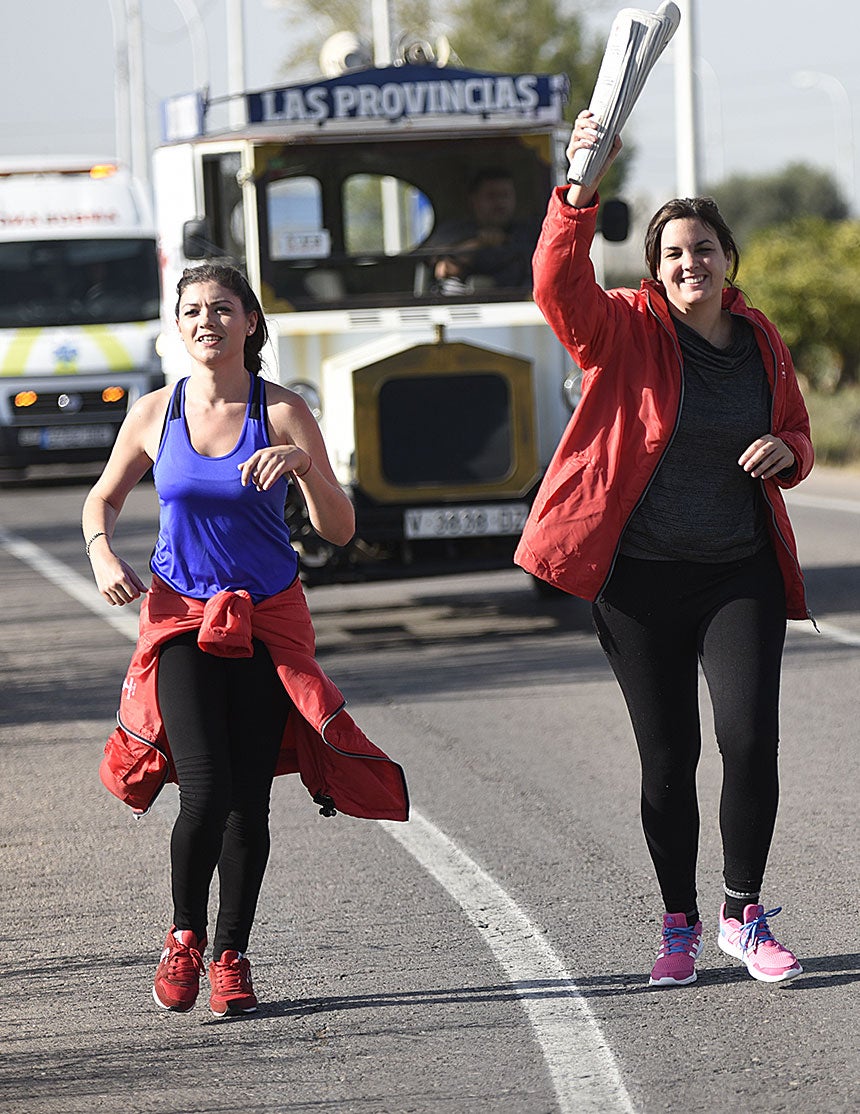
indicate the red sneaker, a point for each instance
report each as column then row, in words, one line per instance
column 177, row 978
column 232, row 989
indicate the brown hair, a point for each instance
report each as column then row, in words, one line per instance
column 232, row 279
column 695, row 208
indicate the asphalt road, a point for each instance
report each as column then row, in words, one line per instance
column 492, row 954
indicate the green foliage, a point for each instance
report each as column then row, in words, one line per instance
column 805, row 276
column 751, row 203
column 316, row 20
column 835, row 422
column 546, row 36
column 523, row 35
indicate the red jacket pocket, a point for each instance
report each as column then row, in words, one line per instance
column 133, row 770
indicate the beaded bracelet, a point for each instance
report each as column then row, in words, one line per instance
column 97, row 534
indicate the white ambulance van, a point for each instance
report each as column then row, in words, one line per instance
column 440, row 401
column 79, row 307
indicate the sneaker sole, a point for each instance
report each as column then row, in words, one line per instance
column 233, row 1011
column 673, row 982
column 736, row 953
column 171, row 1009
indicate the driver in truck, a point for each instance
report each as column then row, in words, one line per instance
column 491, row 247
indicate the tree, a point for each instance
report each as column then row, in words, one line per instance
column 316, row 20
column 506, row 36
column 805, row 276
column 523, row 35
column 750, row 203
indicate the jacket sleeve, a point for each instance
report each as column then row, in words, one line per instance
column 583, row 316
column 791, row 422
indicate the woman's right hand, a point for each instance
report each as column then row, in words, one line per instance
column 134, row 450
column 584, row 137
column 115, row 579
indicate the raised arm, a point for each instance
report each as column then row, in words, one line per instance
column 584, row 318
column 585, row 135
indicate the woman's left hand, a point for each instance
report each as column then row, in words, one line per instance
column 267, row 466
column 766, row 456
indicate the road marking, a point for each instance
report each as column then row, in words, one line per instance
column 584, row 1073
column 582, row 1068
column 823, row 502
column 850, row 506
column 73, row 584
column 828, row 630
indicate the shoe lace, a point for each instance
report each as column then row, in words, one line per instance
column 757, row 932
column 231, row 976
column 184, row 962
column 678, row 939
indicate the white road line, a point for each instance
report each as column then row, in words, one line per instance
column 582, row 1068
column 823, row 502
column 829, row 631
column 72, row 583
column 850, row 506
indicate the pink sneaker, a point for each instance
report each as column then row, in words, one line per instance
column 753, row 944
column 679, row 949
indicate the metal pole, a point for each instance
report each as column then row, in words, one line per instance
column 844, row 127
column 713, row 169
column 137, row 86
column 121, row 100
column 381, row 17
column 686, row 136
column 236, row 62
column 391, row 236
column 199, row 44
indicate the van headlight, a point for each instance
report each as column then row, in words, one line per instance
column 309, row 393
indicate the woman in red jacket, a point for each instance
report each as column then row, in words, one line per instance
column 662, row 505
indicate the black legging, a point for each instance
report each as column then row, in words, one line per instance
column 656, row 620
column 224, row 719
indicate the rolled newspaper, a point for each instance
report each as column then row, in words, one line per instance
column 636, row 40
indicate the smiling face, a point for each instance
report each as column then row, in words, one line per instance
column 692, row 264
column 213, row 323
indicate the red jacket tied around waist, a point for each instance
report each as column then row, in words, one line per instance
column 340, row 767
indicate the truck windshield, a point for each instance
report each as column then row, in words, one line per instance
column 377, row 223
column 78, row 282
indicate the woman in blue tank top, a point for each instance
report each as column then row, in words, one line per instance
column 223, row 445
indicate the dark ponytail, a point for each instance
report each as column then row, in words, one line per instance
column 232, row 279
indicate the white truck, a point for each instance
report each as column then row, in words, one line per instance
column 440, row 402
column 79, row 307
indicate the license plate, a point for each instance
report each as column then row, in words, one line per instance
column 464, row 522
column 67, row 437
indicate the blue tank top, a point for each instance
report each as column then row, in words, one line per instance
column 213, row 533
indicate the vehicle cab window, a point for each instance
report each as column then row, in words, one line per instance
column 369, row 224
